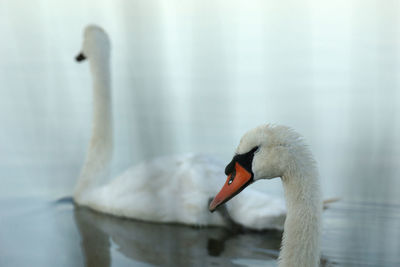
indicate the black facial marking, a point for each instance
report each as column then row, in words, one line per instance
column 80, row 57
column 230, row 167
column 245, row 160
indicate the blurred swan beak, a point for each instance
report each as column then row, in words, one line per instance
column 80, row 57
column 238, row 180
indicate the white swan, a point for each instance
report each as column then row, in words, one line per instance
column 168, row 189
column 277, row 151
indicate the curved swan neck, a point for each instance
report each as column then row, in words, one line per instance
column 102, row 117
column 301, row 237
column 98, row 157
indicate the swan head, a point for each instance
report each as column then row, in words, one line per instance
column 264, row 152
column 95, row 43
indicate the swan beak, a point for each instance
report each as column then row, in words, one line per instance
column 80, row 57
column 238, row 180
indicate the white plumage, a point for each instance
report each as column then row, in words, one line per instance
column 166, row 189
column 178, row 189
column 281, row 152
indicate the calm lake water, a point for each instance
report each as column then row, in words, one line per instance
column 193, row 76
column 39, row 232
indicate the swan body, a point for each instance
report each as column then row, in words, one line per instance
column 180, row 193
column 166, row 189
column 267, row 152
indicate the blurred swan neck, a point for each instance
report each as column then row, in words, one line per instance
column 98, row 157
column 301, row 237
column 102, row 112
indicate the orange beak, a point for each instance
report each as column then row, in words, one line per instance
column 238, row 180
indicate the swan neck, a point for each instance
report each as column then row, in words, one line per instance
column 98, row 157
column 301, row 237
column 102, row 119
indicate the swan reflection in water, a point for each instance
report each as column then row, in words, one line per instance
column 175, row 245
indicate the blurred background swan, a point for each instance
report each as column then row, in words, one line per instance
column 193, row 76
column 169, row 189
column 165, row 189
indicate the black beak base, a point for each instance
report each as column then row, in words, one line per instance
column 80, row 57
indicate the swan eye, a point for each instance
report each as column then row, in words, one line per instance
column 233, row 174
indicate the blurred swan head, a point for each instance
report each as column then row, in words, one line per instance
column 96, row 44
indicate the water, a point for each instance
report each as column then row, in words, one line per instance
column 39, row 232
column 362, row 234
column 193, row 76
column 47, row 233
